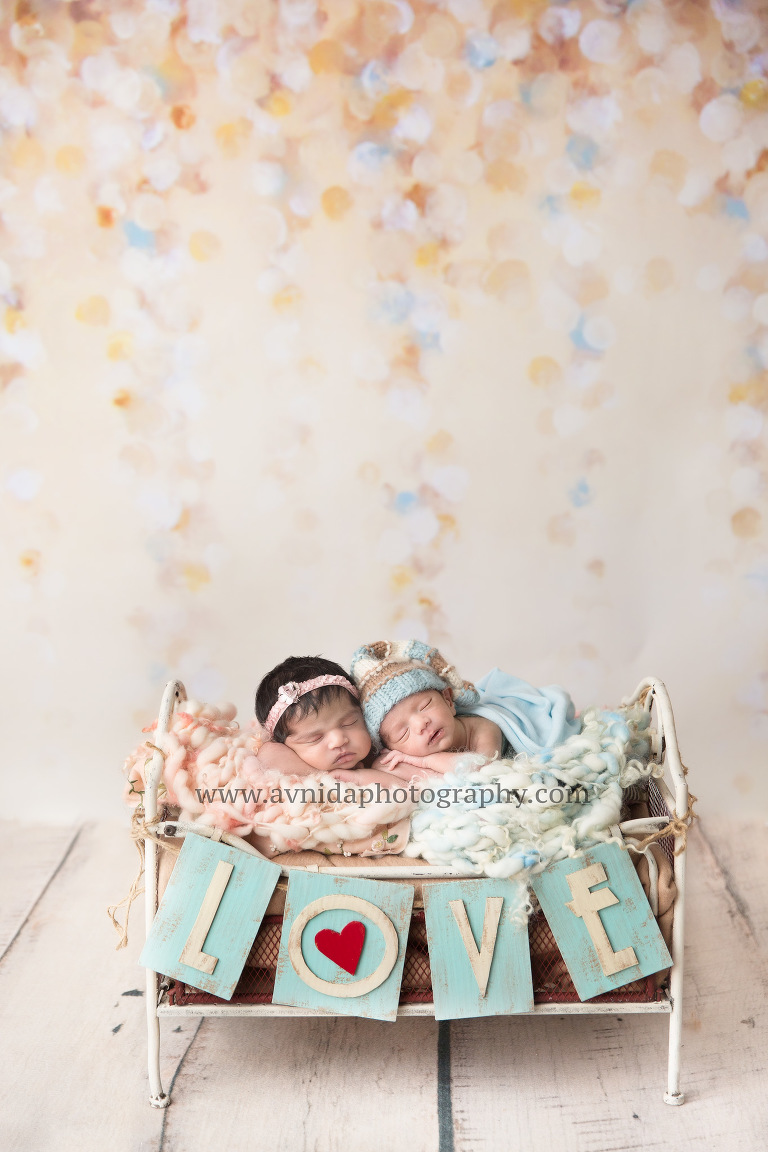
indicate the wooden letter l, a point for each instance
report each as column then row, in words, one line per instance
column 192, row 953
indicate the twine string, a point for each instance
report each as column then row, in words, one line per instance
column 677, row 826
column 141, row 831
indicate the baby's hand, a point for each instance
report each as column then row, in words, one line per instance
column 390, row 760
column 346, row 774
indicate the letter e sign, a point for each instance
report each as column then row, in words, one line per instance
column 608, row 935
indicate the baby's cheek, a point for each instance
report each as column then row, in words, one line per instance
column 411, row 747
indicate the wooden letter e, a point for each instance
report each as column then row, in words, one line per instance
column 587, row 905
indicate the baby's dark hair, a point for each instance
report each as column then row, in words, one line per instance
column 295, row 670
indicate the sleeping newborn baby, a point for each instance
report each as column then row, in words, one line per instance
column 418, row 708
column 309, row 709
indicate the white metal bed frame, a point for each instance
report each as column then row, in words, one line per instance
column 665, row 751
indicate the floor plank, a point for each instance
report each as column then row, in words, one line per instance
column 73, row 1033
column 740, row 852
column 31, row 853
column 595, row 1084
column 303, row 1085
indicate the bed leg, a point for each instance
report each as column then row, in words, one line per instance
column 673, row 1095
column 157, row 1097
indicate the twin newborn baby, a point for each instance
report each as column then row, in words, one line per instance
column 402, row 710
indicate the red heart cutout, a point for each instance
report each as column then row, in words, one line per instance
column 344, row 947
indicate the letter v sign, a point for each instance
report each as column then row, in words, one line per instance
column 479, row 959
column 493, row 979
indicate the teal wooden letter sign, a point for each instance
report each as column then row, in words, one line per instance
column 343, row 945
column 209, row 915
column 601, row 920
column 478, row 953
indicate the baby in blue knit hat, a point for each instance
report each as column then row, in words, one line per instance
column 418, row 708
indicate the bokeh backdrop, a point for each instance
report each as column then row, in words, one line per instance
column 329, row 322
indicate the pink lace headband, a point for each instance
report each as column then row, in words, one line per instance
column 288, row 694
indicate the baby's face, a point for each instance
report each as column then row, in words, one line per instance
column 334, row 737
column 421, row 724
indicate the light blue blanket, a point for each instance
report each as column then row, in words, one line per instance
column 531, row 719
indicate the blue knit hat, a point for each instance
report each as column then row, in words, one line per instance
column 387, row 672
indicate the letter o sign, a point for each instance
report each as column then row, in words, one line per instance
column 348, row 904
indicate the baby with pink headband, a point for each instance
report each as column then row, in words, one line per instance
column 309, row 707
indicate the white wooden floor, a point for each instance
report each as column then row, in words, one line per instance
column 73, row 1043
